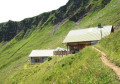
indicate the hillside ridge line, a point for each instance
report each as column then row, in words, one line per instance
column 107, row 62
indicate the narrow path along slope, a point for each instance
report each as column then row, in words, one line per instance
column 108, row 63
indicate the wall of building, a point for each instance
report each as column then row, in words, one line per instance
column 37, row 60
column 77, row 46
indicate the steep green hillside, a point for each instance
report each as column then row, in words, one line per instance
column 83, row 68
column 15, row 53
column 47, row 31
column 111, row 46
column 107, row 16
column 73, row 10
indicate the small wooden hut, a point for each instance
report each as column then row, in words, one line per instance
column 39, row 56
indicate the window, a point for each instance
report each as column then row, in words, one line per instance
column 36, row 60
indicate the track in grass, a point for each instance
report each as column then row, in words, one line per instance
column 108, row 63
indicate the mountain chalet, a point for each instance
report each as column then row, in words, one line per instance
column 76, row 40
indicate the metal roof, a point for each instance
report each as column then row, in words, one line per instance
column 41, row 53
column 88, row 34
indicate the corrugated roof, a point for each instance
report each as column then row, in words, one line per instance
column 88, row 34
column 41, row 53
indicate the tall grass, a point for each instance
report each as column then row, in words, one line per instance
column 82, row 68
column 111, row 46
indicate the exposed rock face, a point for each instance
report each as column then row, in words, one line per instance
column 73, row 10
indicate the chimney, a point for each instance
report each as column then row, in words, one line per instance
column 99, row 25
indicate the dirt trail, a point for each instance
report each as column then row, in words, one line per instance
column 108, row 63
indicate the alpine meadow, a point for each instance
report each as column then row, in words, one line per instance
column 47, row 31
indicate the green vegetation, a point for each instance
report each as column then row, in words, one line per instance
column 15, row 53
column 47, row 31
column 73, row 10
column 84, row 67
column 106, row 16
column 111, row 46
column 1, row 44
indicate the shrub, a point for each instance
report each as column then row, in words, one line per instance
column 49, row 58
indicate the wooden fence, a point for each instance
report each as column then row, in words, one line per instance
column 61, row 53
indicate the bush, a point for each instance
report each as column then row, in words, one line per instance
column 49, row 58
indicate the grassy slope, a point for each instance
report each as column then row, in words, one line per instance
column 1, row 44
column 85, row 67
column 15, row 54
column 111, row 46
column 107, row 16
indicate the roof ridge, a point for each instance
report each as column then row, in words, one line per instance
column 89, row 28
